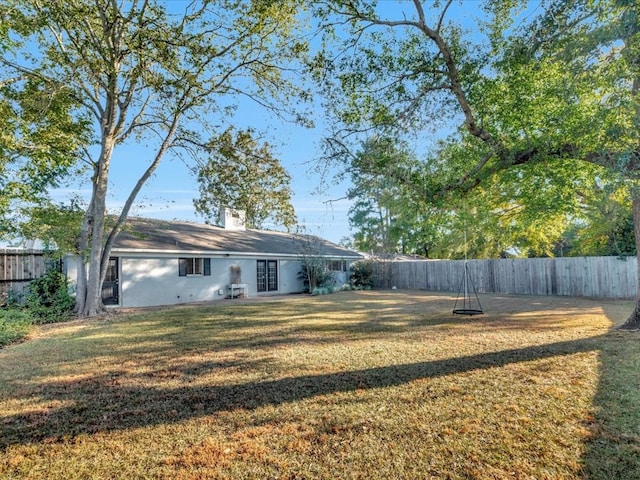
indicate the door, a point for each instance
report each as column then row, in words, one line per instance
column 111, row 284
column 267, row 275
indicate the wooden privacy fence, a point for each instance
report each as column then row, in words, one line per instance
column 603, row 277
column 17, row 268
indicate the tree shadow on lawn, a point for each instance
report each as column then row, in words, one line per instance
column 613, row 450
column 109, row 402
column 386, row 314
column 251, row 326
column 104, row 404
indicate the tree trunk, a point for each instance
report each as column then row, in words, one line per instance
column 89, row 300
column 633, row 322
column 81, row 286
column 95, row 241
column 83, row 248
column 93, row 300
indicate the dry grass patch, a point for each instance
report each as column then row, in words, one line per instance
column 352, row 385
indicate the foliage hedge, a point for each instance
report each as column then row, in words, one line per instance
column 362, row 274
column 15, row 324
column 46, row 300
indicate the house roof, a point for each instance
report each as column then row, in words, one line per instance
column 150, row 235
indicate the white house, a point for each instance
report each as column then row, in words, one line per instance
column 156, row 262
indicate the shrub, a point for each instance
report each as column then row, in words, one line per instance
column 315, row 274
column 48, row 299
column 324, row 290
column 14, row 325
column 11, row 299
column 362, row 274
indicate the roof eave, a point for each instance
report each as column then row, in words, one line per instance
column 219, row 253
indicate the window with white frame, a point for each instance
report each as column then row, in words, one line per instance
column 337, row 265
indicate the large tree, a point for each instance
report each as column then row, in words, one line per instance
column 526, row 88
column 242, row 174
column 387, row 214
column 520, row 212
column 40, row 139
column 161, row 74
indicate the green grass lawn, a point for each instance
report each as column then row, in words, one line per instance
column 371, row 385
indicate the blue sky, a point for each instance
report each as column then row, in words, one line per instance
column 319, row 203
column 170, row 193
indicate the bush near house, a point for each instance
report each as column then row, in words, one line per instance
column 316, row 276
column 47, row 300
column 319, row 280
column 362, row 274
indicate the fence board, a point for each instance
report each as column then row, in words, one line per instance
column 17, row 268
column 604, row 277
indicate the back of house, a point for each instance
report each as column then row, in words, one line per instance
column 156, row 262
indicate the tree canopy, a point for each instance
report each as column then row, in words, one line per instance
column 412, row 71
column 519, row 91
column 163, row 74
column 243, row 175
column 519, row 212
column 40, row 142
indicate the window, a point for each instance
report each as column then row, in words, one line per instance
column 337, row 265
column 194, row 266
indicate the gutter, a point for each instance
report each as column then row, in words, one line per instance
column 218, row 253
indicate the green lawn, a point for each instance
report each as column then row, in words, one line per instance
column 371, row 385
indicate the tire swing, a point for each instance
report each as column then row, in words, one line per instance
column 467, row 305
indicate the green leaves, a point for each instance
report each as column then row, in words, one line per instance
column 162, row 74
column 56, row 225
column 41, row 142
column 523, row 99
column 389, row 213
column 244, row 175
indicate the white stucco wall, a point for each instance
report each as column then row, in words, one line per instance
column 146, row 280
column 154, row 280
